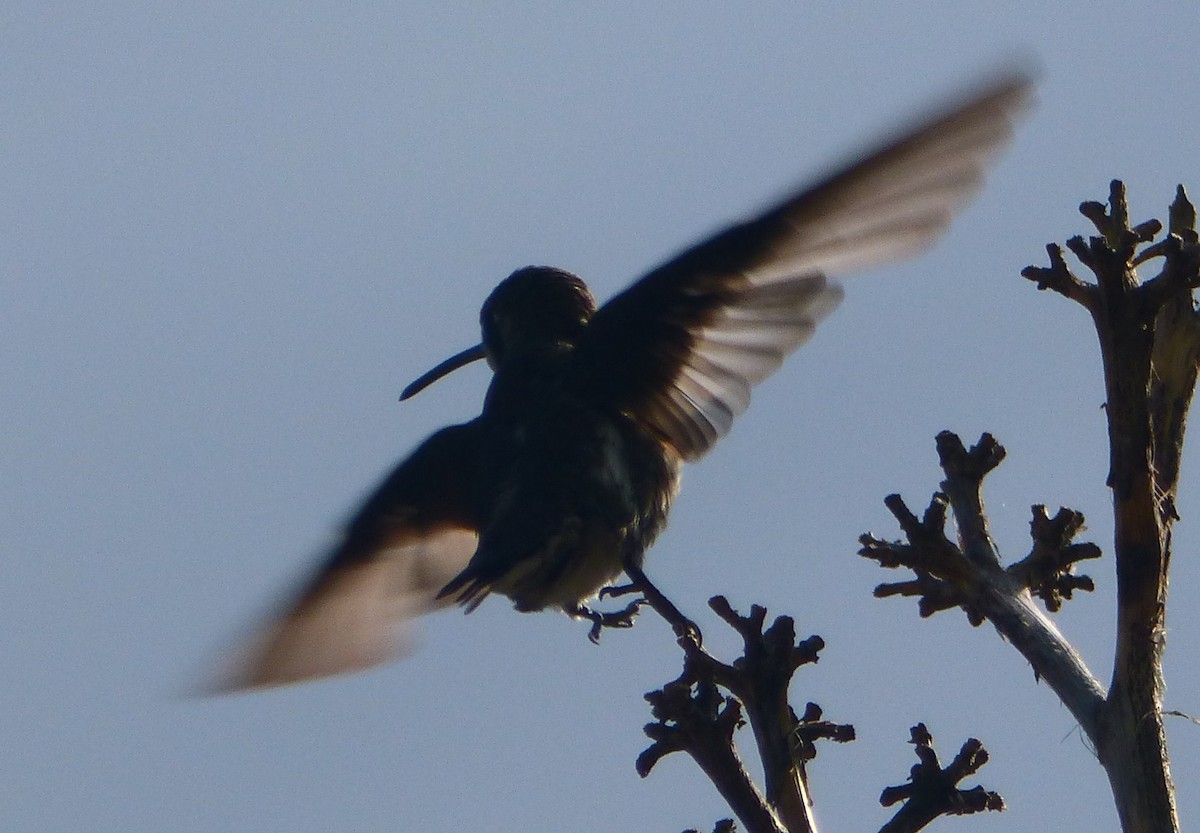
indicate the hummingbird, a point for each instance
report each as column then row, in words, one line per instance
column 567, row 476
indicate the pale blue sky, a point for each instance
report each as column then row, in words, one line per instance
column 231, row 232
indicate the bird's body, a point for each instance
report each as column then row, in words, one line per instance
column 569, row 487
column 567, row 476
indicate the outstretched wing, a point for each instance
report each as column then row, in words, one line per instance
column 414, row 534
column 680, row 349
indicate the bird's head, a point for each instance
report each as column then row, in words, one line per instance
column 532, row 309
column 535, row 308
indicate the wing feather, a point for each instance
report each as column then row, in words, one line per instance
column 411, row 536
column 681, row 348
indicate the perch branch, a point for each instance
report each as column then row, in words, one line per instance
column 695, row 718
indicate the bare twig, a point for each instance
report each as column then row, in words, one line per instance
column 933, row 791
column 1048, row 570
column 1149, row 336
column 722, row 826
column 968, row 575
column 694, row 717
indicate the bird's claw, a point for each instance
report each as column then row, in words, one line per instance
column 614, row 591
column 688, row 632
column 614, row 619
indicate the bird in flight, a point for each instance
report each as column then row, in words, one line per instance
column 566, row 477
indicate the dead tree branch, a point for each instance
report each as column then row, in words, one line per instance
column 693, row 716
column 1149, row 335
column 933, row 791
column 969, row 574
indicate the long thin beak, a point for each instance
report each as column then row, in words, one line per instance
column 451, row 364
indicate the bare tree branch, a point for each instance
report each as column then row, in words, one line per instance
column 932, row 791
column 1149, row 344
column 694, row 717
column 969, row 575
column 1048, row 570
column 1149, row 334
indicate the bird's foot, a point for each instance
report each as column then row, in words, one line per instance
column 614, row 619
column 686, row 631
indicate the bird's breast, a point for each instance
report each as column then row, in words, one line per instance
column 570, row 492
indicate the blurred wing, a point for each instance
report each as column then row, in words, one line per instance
column 414, row 534
column 680, row 349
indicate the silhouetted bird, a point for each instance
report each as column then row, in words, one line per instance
column 566, row 477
